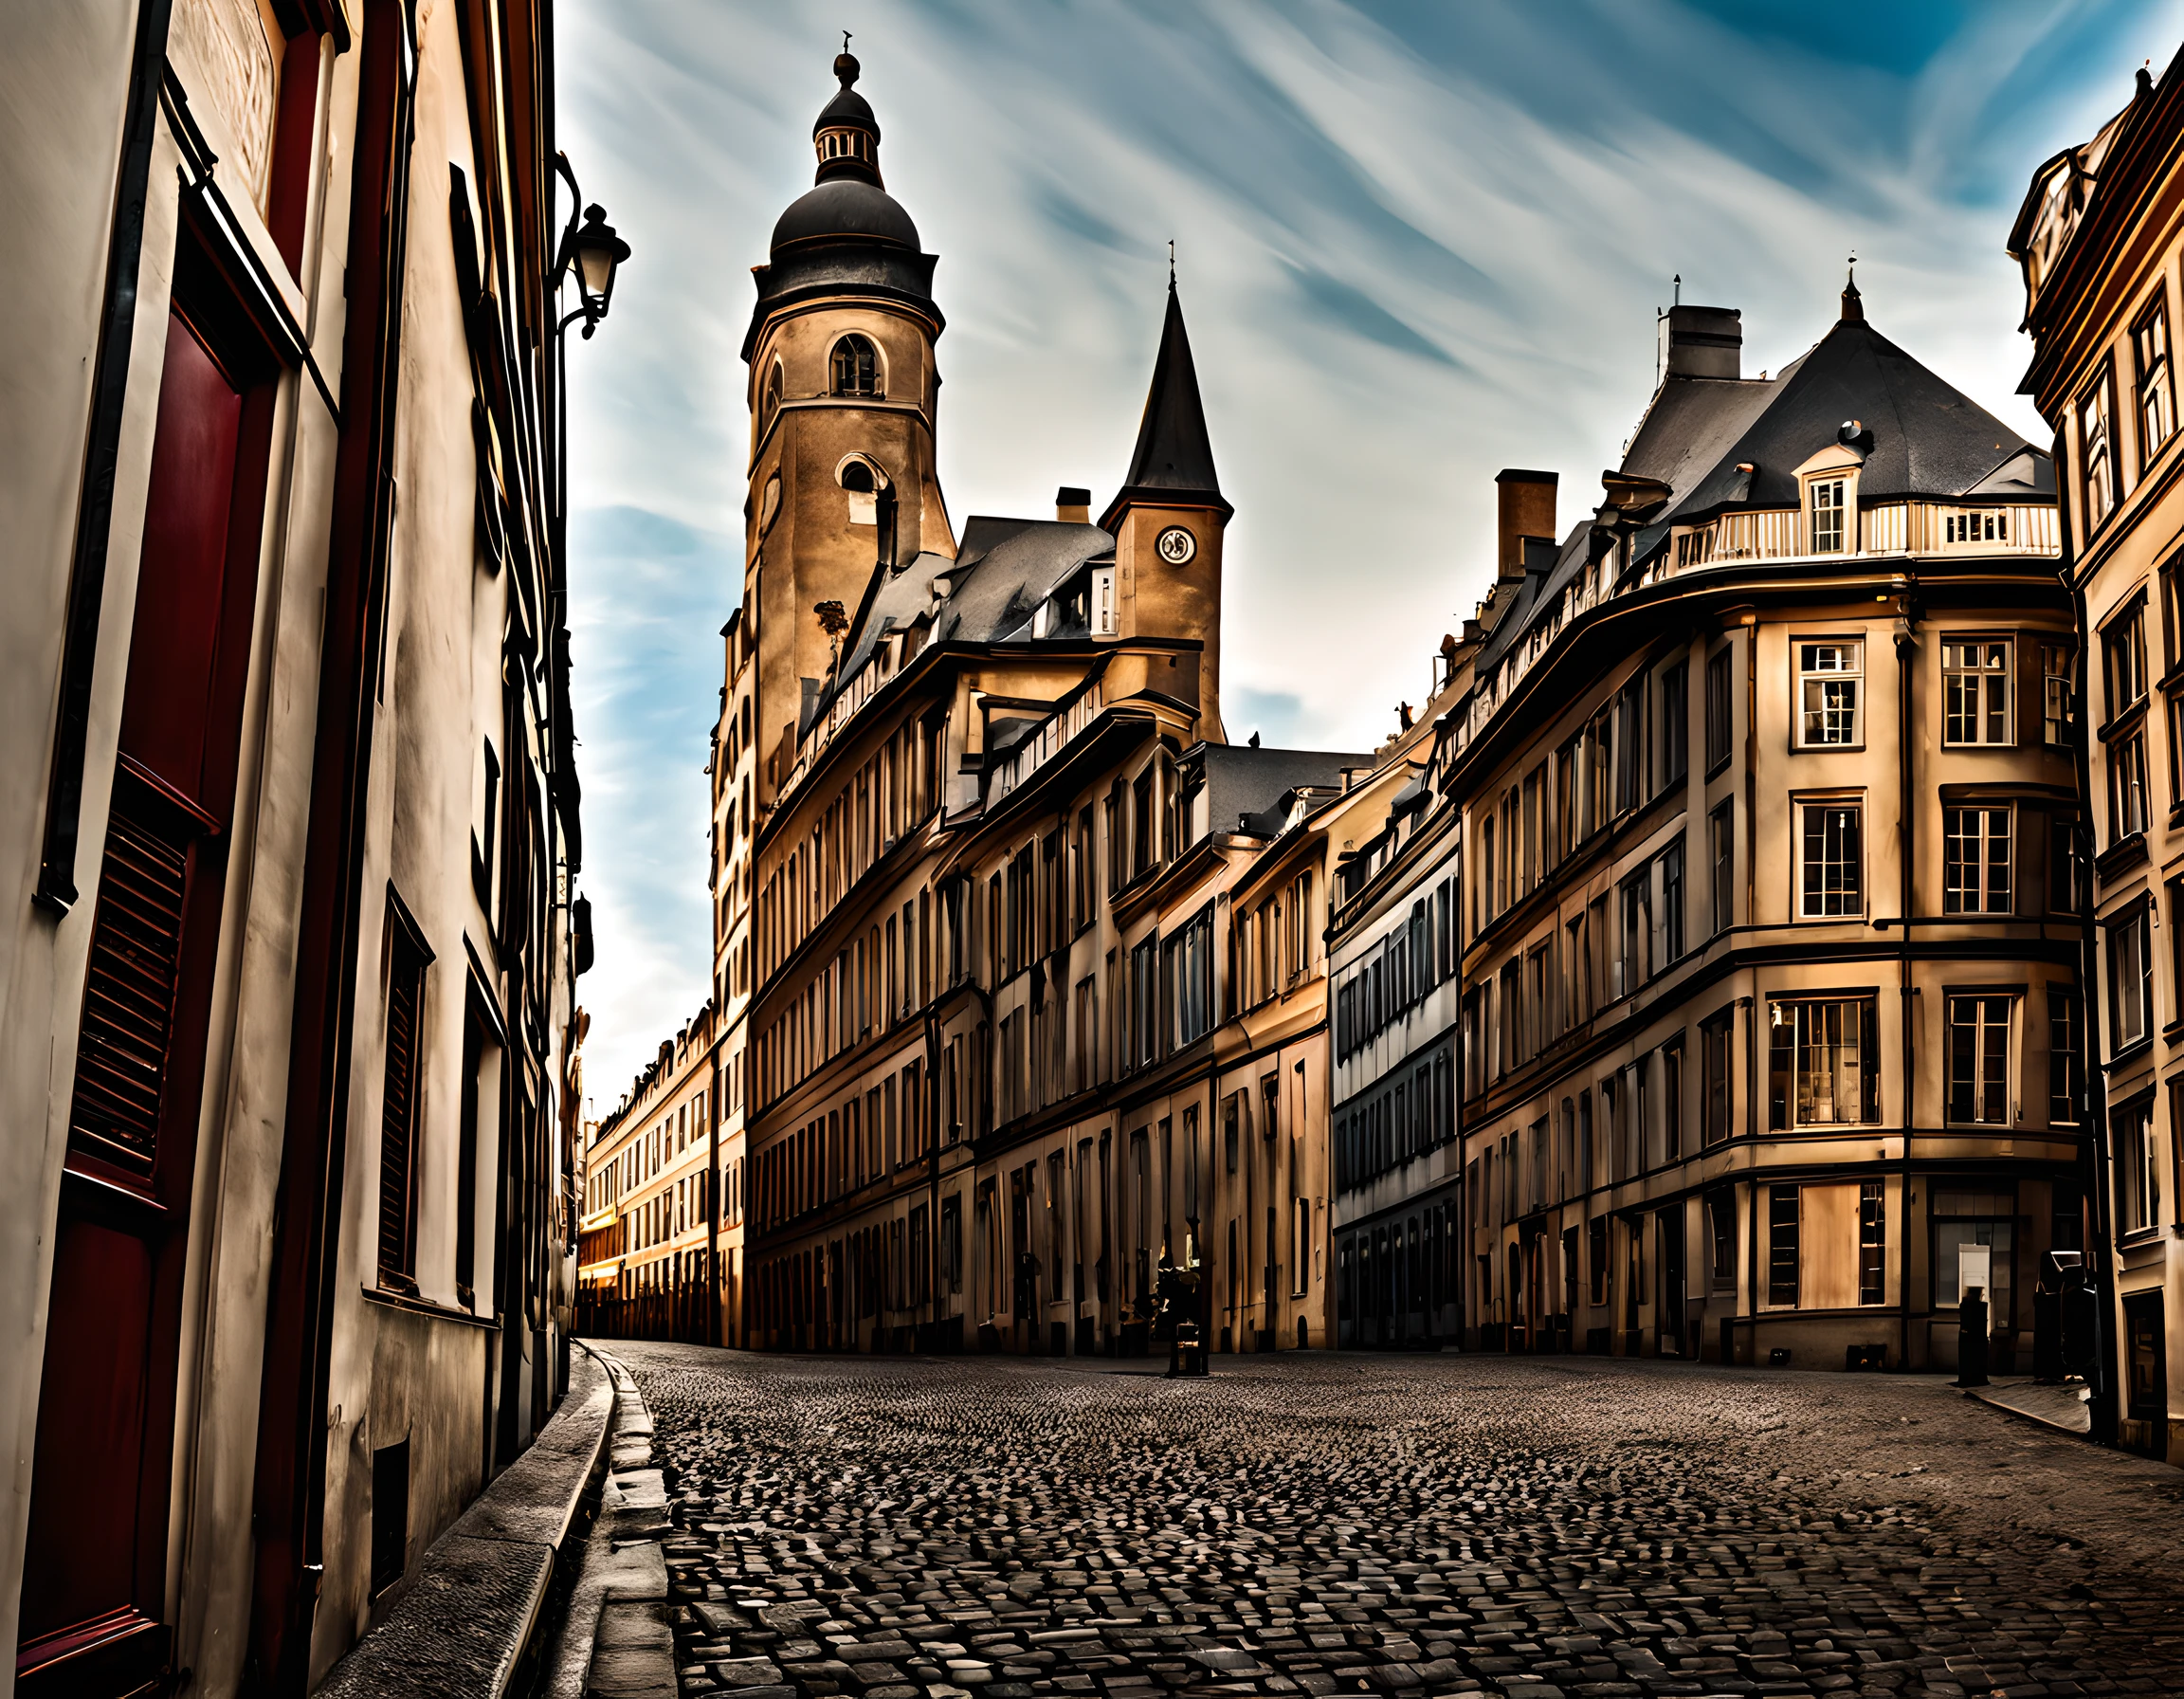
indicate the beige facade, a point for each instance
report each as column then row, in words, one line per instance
column 1741, row 905
column 2098, row 239
column 288, row 986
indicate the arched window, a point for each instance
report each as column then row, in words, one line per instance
column 856, row 367
column 769, row 403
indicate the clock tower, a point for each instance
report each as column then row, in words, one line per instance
column 1168, row 520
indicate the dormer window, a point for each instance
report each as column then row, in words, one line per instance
column 855, row 367
column 1826, row 499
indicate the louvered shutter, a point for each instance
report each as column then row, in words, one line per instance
column 398, row 1112
column 130, row 986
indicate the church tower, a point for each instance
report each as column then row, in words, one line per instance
column 1168, row 520
column 843, row 393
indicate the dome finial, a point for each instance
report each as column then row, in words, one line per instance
column 1853, row 304
column 847, row 136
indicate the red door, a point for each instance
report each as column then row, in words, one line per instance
column 94, row 1575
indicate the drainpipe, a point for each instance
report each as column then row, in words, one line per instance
column 2093, row 1142
column 1906, row 645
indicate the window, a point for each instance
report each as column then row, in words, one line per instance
column 2138, row 1168
column 2127, row 800
column 1596, row 1259
column 1672, row 1101
column 1980, row 1060
column 1975, row 692
column 407, row 958
column 2124, row 652
column 855, row 367
column 1782, row 1245
column 1827, row 498
column 2058, row 694
column 1191, row 979
column 1714, row 1041
column 2097, row 454
column 2066, row 1056
column 1872, row 1243
column 1822, row 1063
column 1976, row 861
column 1718, row 715
column 1675, row 724
column 1721, row 846
column 1672, row 903
column 2157, row 398
column 770, row 402
column 2131, row 980
column 1827, row 699
column 1830, row 856
column 1721, row 1232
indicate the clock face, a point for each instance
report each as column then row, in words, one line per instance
column 1176, row 545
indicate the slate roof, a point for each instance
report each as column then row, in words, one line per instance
column 1175, row 456
column 1248, row 788
column 1929, row 441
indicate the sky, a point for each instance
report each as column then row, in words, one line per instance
column 1415, row 243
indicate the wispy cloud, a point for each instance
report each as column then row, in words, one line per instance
column 1417, row 244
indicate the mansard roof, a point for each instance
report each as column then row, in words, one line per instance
column 1929, row 440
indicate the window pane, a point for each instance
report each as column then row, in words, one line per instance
column 1834, row 855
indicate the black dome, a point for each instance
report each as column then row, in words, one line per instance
column 845, row 207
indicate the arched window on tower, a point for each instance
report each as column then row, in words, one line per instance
column 856, row 367
column 769, row 403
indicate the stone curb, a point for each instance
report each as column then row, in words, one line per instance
column 614, row 1641
column 1980, row 1395
column 467, row 1618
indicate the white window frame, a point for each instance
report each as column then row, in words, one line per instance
column 1824, row 666
column 1981, row 835
column 1829, row 506
column 1983, row 1039
column 1853, row 803
column 1984, row 666
column 2137, row 995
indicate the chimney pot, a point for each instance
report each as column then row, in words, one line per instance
column 1072, row 505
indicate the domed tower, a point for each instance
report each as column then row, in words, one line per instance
column 1168, row 520
column 843, row 393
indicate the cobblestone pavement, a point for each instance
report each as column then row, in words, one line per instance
column 924, row 1529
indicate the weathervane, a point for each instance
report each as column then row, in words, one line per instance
column 1171, row 261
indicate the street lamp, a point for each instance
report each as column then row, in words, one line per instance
column 594, row 252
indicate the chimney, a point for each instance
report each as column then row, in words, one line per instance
column 1700, row 342
column 1073, row 507
column 1525, row 503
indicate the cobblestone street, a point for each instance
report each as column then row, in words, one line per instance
column 919, row 1530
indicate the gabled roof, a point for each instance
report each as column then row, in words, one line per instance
column 1173, row 460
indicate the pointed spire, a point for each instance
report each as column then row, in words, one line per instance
column 1853, row 304
column 1174, row 463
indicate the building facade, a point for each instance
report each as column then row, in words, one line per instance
column 1031, row 955
column 1758, row 874
column 288, row 982
column 2099, row 239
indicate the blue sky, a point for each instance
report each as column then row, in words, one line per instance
column 1417, row 243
